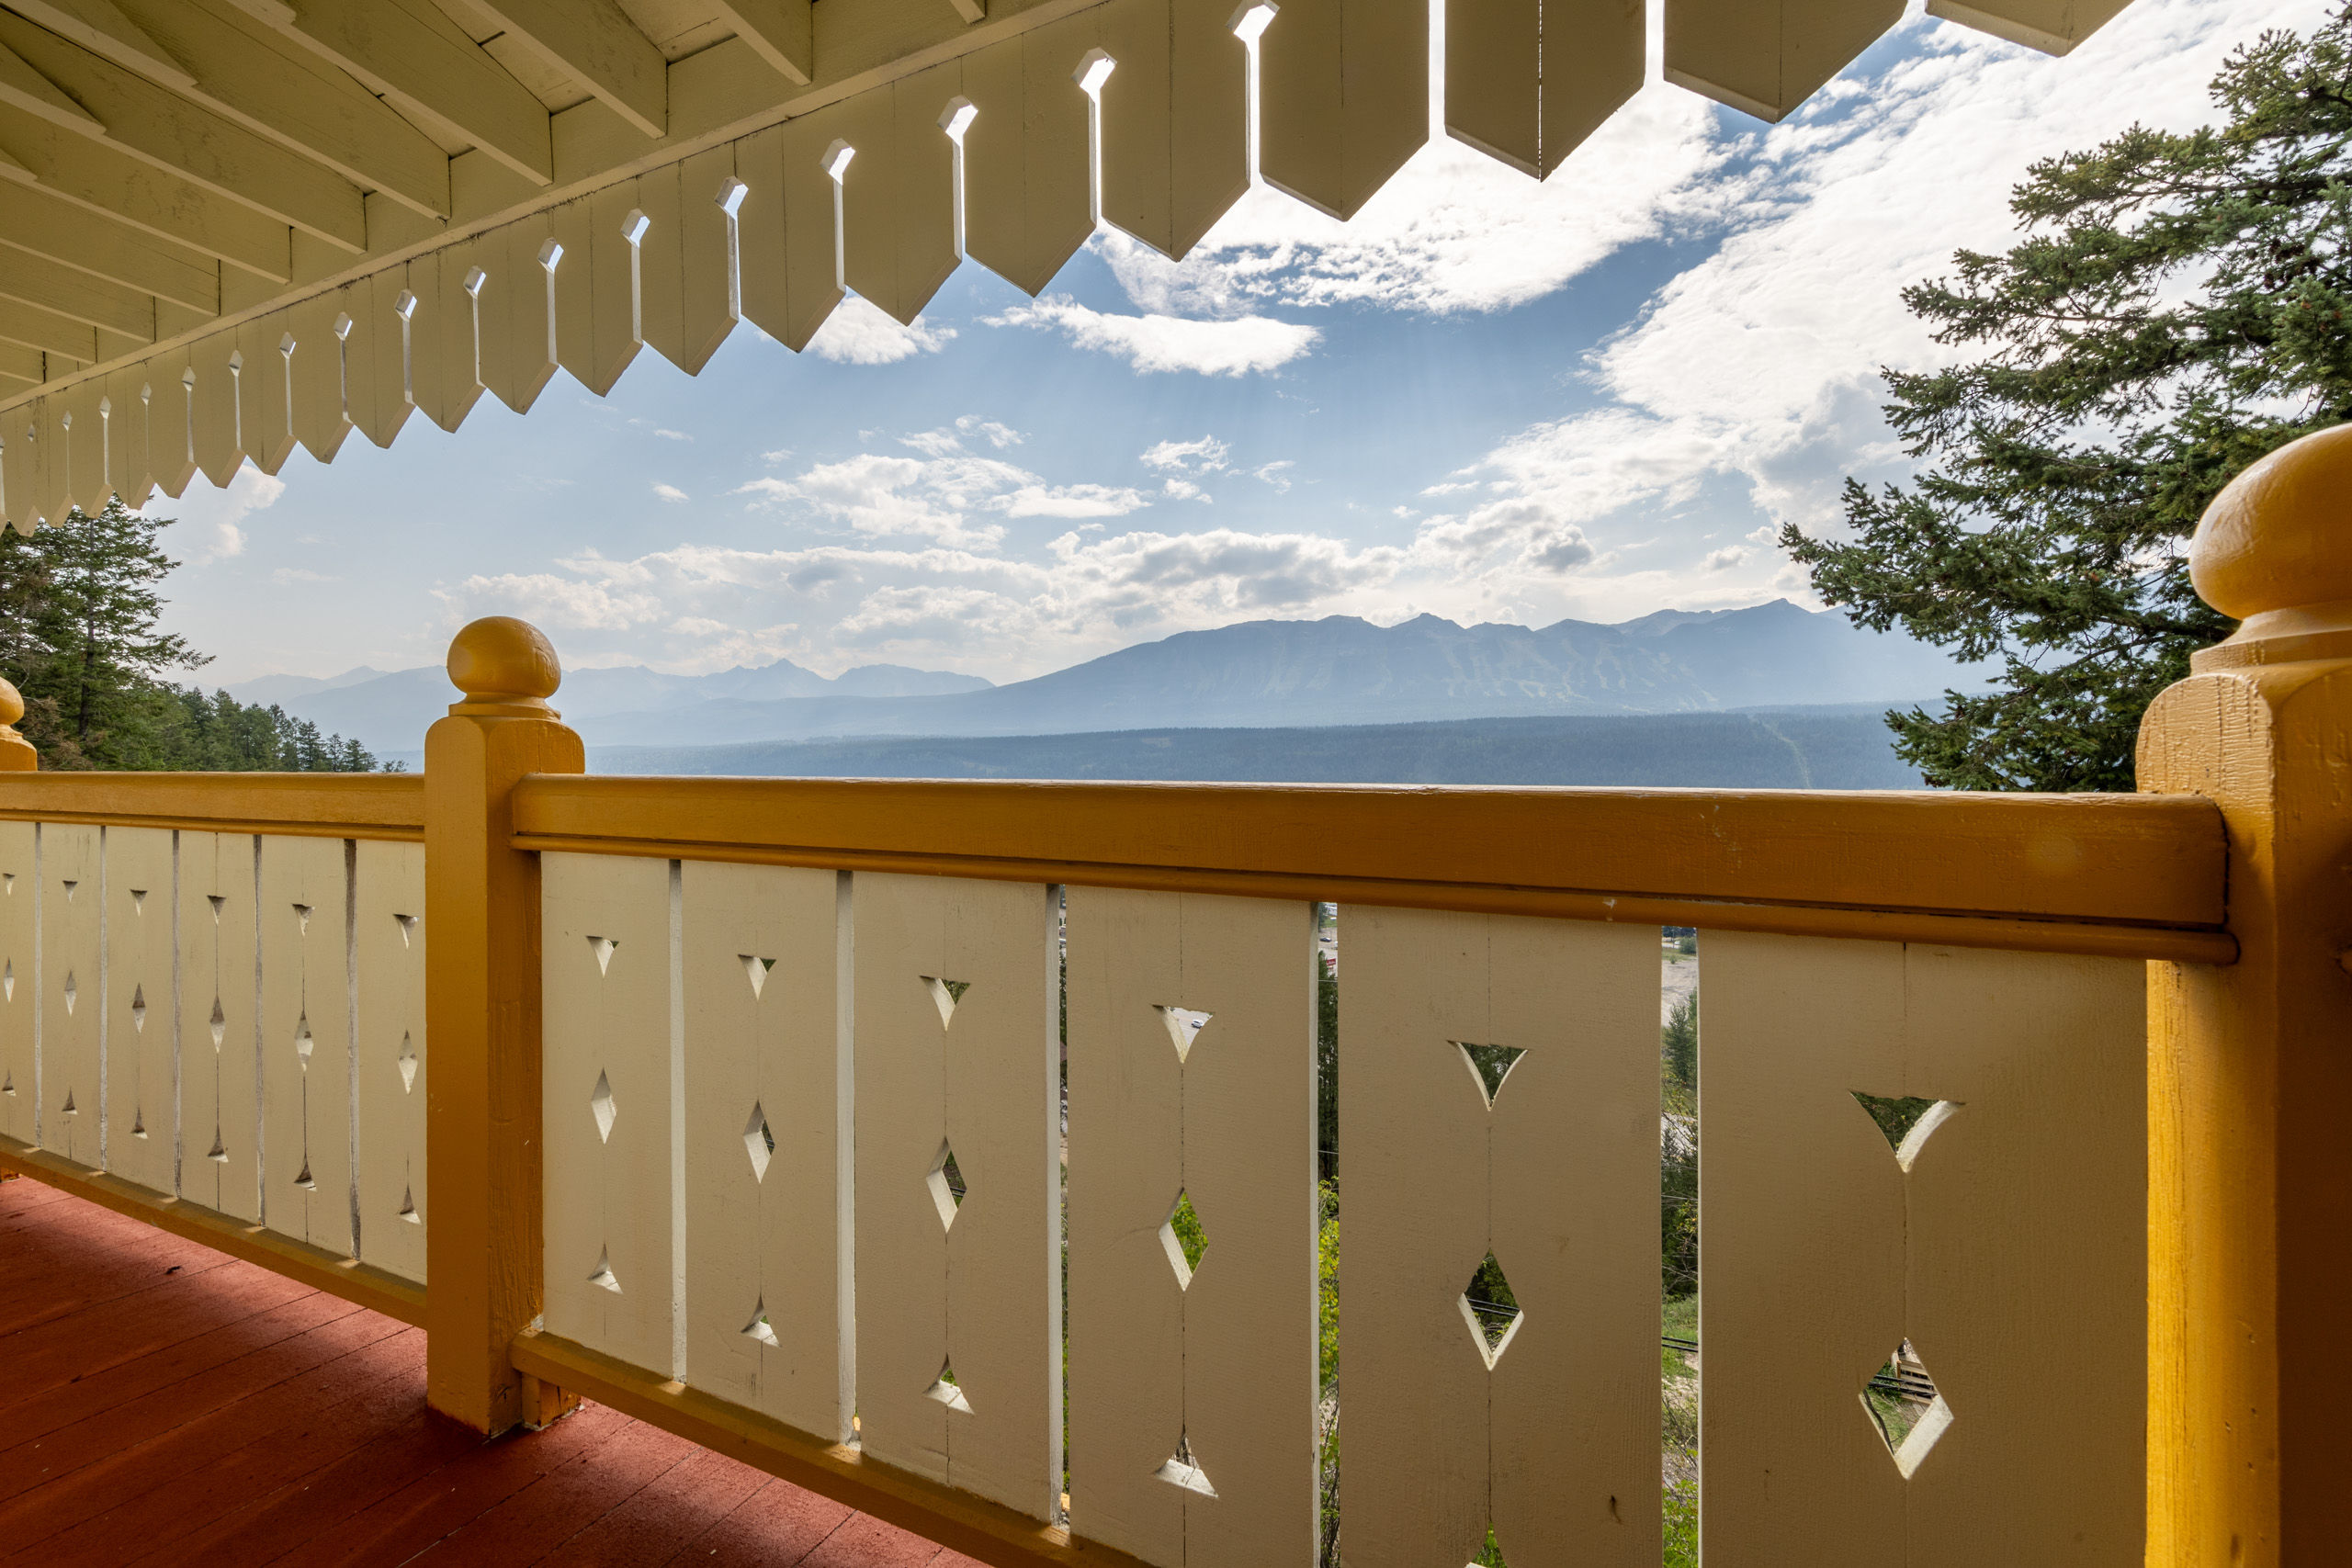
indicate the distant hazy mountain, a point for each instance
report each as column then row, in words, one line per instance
column 1339, row 671
column 267, row 689
column 1836, row 748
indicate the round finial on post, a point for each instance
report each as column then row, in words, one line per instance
column 506, row 667
column 2274, row 551
column 17, row 753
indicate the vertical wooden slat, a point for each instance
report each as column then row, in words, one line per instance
column 49, row 482
column 526, row 324
column 130, row 435
column 386, row 407
column 389, row 1074
column 220, row 1096
column 1526, row 81
column 2054, row 26
column 72, row 968
column 1766, row 59
column 219, row 410
column 573, row 226
column 429, row 335
column 978, row 1287
column 2011, row 1255
column 708, row 240
column 1556, row 1447
column 17, row 442
column 1343, row 98
column 319, row 422
column 788, row 277
column 616, row 276
column 17, row 981
column 898, row 199
column 142, row 1096
column 1175, row 119
column 173, row 409
column 305, row 920
column 449, row 382
column 1226, row 1363
column 1028, row 168
column 265, row 390
column 766, row 1271
column 661, row 263
column 84, row 446
column 607, row 1009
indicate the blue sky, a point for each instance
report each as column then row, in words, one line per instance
column 1485, row 397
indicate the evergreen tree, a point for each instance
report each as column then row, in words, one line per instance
column 2175, row 311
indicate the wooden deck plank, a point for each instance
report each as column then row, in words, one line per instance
column 776, row 1526
column 126, row 1330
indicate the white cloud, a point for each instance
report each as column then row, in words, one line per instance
column 1206, row 455
column 1276, row 474
column 1724, row 560
column 217, row 516
column 935, row 494
column 1072, row 500
column 1154, row 344
column 288, row 576
column 670, row 492
column 859, row 333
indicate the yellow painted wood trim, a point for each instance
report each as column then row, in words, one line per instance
column 958, row 1520
column 337, row 805
column 354, row 1281
column 2126, row 862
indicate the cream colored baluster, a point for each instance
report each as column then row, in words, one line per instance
column 2054, row 26
column 380, row 383
column 899, row 195
column 2011, row 1256
column 86, row 456
column 709, row 199
column 525, row 300
column 607, row 1085
column 574, row 225
column 1028, row 170
column 767, row 1273
column 972, row 1286
column 17, row 980
column 617, row 230
column 1343, row 98
column 219, row 1093
column 71, row 1093
column 1192, row 1073
column 430, row 339
column 1766, row 59
column 319, row 422
column 219, row 413
column 661, row 263
column 133, row 391
column 17, row 467
column 448, row 371
column 1550, row 1438
column 141, row 1098
column 388, row 901
column 789, row 282
column 263, row 400
column 1526, row 81
column 306, row 1039
column 1175, row 119
column 49, row 482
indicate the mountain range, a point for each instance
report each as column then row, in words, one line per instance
column 1337, row 670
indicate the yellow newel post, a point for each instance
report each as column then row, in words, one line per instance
column 17, row 753
column 482, row 905
column 2250, row 1065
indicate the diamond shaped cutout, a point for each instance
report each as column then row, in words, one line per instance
column 759, row 1142
column 8, row 981
column 601, row 1102
column 1909, row 1411
column 407, row 1063
column 760, row 1328
column 946, row 1184
column 944, row 995
column 1182, row 1236
column 71, row 992
column 219, row 1023
column 1184, row 1026
column 1183, row 1470
column 946, row 1392
column 756, row 970
column 602, row 948
column 603, row 1278
column 1490, row 1065
column 302, row 1041
column 139, row 1010
column 1491, row 1311
column 1906, row 1122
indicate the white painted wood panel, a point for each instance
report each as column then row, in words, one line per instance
column 19, row 982
column 2011, row 1255
column 1555, row 1446
column 220, row 999
column 975, row 1287
column 142, row 1090
column 388, row 935
column 307, row 1122
column 606, row 1077
column 769, row 1322
column 71, row 977
column 1222, row 1360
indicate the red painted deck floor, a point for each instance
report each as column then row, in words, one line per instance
column 161, row 1401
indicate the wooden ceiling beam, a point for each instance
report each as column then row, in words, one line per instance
column 100, row 26
column 781, row 32
column 76, row 237
column 35, row 94
column 48, row 331
column 76, row 296
column 162, row 128
column 254, row 75
column 19, row 364
column 428, row 69
column 593, row 42
column 111, row 183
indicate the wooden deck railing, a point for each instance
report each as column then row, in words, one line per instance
column 846, row 1127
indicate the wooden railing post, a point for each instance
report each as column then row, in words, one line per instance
column 482, row 905
column 2250, row 1065
column 17, row 753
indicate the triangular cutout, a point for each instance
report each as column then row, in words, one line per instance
column 604, row 1278
column 68, row 1107
column 759, row 1142
column 408, row 1063
column 1183, row 1470
column 139, row 1121
column 1489, row 1555
column 216, row 900
column 302, row 1041
column 756, row 970
column 219, row 1023
column 601, row 1104
column 69, row 891
column 408, row 929
column 302, row 914
column 1490, row 1065
column 1184, row 1026
column 408, row 1205
column 1906, row 1407
column 760, row 1328
column 946, row 1392
column 306, row 1181
column 7, row 1082
column 218, row 1151
column 1906, row 1122
column 602, row 947
column 1491, row 1310
column 139, row 1010
column 944, row 995
column 139, row 900
column 1183, row 1239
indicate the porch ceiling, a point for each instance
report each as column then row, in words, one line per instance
column 232, row 227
